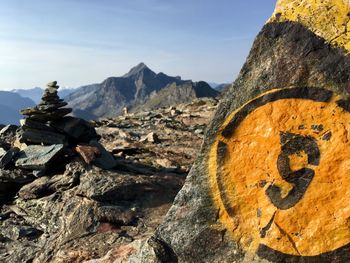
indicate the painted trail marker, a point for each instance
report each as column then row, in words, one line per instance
column 270, row 166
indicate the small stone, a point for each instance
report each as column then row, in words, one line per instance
column 151, row 137
column 39, row 173
column 164, row 163
column 88, row 153
column 199, row 131
column 37, row 157
column 52, row 84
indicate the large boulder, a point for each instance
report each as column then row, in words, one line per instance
column 271, row 183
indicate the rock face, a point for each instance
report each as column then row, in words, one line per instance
column 271, row 181
column 174, row 94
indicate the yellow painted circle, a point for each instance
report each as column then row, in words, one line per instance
column 320, row 221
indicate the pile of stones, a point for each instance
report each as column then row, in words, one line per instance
column 48, row 137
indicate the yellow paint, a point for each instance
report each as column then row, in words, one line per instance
column 319, row 222
column 328, row 19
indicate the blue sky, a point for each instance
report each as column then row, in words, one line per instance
column 79, row 42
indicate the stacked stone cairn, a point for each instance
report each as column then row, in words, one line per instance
column 48, row 137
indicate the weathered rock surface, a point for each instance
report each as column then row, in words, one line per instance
column 271, row 180
column 82, row 213
column 37, row 157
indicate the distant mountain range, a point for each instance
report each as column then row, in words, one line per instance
column 140, row 88
column 10, row 105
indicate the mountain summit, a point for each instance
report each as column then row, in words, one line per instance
column 132, row 90
column 138, row 69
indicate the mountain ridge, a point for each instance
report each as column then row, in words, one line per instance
column 132, row 90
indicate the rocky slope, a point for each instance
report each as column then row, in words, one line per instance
column 110, row 97
column 82, row 213
column 174, row 94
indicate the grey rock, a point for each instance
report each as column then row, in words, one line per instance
column 36, row 136
column 36, row 157
column 28, row 123
column 78, row 129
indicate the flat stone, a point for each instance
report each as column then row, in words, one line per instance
column 52, row 84
column 28, row 123
column 78, row 129
column 50, row 97
column 30, row 111
column 29, row 135
column 51, row 107
column 37, row 157
column 50, row 116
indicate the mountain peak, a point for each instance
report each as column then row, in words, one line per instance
column 137, row 69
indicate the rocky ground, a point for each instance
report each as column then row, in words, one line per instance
column 82, row 213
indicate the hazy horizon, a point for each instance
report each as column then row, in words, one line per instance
column 82, row 42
